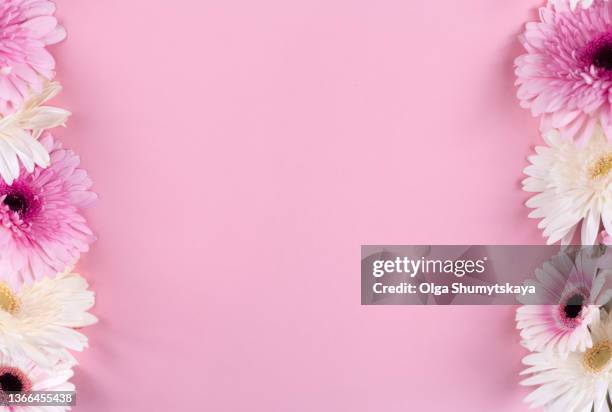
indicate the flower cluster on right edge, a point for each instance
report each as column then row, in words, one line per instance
column 571, row 342
column 565, row 79
column 44, row 305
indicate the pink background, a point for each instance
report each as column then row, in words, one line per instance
column 243, row 151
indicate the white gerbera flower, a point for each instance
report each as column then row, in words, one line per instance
column 19, row 132
column 38, row 321
column 573, row 186
column 22, row 375
column 577, row 383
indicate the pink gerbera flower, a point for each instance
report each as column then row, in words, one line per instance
column 578, row 281
column 26, row 28
column 566, row 74
column 42, row 231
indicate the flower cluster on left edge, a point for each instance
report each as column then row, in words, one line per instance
column 43, row 193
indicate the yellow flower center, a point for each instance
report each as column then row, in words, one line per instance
column 601, row 167
column 598, row 357
column 8, row 301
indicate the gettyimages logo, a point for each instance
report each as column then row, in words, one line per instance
column 412, row 267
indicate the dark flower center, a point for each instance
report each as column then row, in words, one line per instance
column 603, row 56
column 16, row 202
column 10, row 383
column 573, row 306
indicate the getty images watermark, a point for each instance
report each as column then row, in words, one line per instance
column 468, row 275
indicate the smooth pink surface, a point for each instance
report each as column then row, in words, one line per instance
column 243, row 151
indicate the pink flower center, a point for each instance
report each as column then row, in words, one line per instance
column 21, row 200
column 603, row 57
column 599, row 52
column 573, row 306
column 16, row 202
column 570, row 311
column 14, row 380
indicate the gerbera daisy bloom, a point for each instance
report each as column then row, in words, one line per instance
column 38, row 320
column 26, row 28
column 580, row 287
column 21, row 375
column 573, row 186
column 42, row 230
column 566, row 74
column 19, row 133
column 580, row 382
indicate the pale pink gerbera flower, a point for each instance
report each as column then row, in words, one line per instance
column 26, row 28
column 566, row 74
column 578, row 283
column 19, row 375
column 42, row 231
